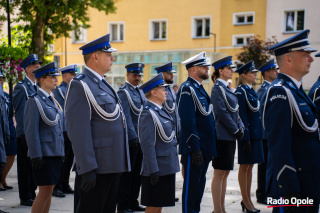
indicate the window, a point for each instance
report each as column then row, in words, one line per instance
column 82, row 36
column 294, row 20
column 158, row 29
column 241, row 40
column 243, row 18
column 201, row 27
column 116, row 30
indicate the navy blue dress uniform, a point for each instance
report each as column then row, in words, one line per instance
column 96, row 127
column 314, row 93
column 227, row 119
column 159, row 147
column 132, row 100
column 43, row 121
column 291, row 126
column 12, row 146
column 3, row 159
column 197, row 134
column 250, row 149
column 20, row 95
column 60, row 94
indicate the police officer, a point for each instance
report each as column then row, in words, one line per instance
column 314, row 93
column 250, row 149
column 43, row 122
column 96, row 126
column 269, row 72
column 159, row 146
column 292, row 129
column 20, row 95
column 197, row 138
column 133, row 100
column 68, row 73
column 229, row 127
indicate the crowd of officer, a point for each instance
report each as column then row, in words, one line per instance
column 124, row 141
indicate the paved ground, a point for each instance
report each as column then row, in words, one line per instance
column 9, row 200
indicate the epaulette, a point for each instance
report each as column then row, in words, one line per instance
column 280, row 83
column 124, row 86
column 21, row 82
column 80, row 77
column 32, row 95
column 146, row 107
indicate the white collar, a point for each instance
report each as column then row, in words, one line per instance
column 297, row 83
column 31, row 81
column 95, row 73
column 196, row 81
column 44, row 92
column 223, row 81
column 156, row 104
column 131, row 85
column 250, row 86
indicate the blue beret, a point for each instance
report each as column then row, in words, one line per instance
column 102, row 44
column 29, row 60
column 154, row 82
column 270, row 65
column 227, row 61
column 317, row 55
column 165, row 68
column 72, row 68
column 136, row 68
column 298, row 42
column 50, row 68
column 248, row 67
column 197, row 60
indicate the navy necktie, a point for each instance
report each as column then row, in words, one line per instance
column 51, row 99
column 106, row 83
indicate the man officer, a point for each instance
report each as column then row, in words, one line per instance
column 292, row 129
column 21, row 92
column 63, row 187
column 133, row 100
column 197, row 138
column 96, row 127
column 269, row 72
column 314, row 93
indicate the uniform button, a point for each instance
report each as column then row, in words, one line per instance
column 299, row 169
column 306, row 113
column 280, row 186
column 189, row 147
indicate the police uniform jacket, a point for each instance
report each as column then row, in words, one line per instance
column 43, row 140
column 59, row 94
column 158, row 156
column 171, row 100
column 98, row 144
column 227, row 119
column 4, row 127
column 249, row 101
column 314, row 95
column 294, row 160
column 197, row 130
column 12, row 129
column 262, row 97
column 138, row 99
column 20, row 94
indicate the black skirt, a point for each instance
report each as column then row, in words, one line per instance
column 225, row 159
column 50, row 173
column 160, row 195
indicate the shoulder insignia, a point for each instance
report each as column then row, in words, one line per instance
column 32, row 95
column 21, row 82
column 196, row 85
column 291, row 85
column 79, row 77
column 124, row 86
column 146, row 107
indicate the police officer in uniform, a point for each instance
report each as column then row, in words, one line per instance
column 269, row 72
column 68, row 73
column 197, row 138
column 133, row 100
column 292, row 129
column 21, row 93
column 314, row 93
column 96, row 126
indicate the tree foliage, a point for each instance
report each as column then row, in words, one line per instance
column 257, row 50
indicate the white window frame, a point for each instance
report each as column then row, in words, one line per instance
column 118, row 29
column 234, row 39
column 245, row 14
column 284, row 18
column 151, row 35
column 81, row 41
column 194, row 29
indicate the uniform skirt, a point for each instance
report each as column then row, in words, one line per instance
column 225, row 158
column 159, row 195
column 50, row 173
column 12, row 147
column 255, row 156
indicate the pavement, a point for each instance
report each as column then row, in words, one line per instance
column 9, row 199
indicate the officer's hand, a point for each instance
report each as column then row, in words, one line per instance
column 291, row 209
column 134, row 143
column 2, row 166
column 154, row 178
column 197, row 158
column 246, row 146
column 239, row 134
column 88, row 181
column 37, row 163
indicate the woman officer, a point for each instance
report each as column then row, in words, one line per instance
column 44, row 135
column 250, row 149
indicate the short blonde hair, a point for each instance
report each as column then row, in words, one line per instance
column 242, row 80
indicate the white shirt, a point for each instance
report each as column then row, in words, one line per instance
column 44, row 92
column 132, row 85
column 297, row 83
column 196, row 81
column 31, row 81
column 160, row 107
column 250, row 86
column 95, row 73
column 267, row 81
column 223, row 81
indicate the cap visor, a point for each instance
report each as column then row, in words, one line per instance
column 54, row 74
column 110, row 50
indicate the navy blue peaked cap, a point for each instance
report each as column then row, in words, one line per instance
column 72, row 68
column 298, row 42
column 317, row 55
column 136, row 68
column 227, row 61
column 165, row 68
column 50, row 69
column 248, row 67
column 102, row 44
column 29, row 60
column 154, row 82
column 270, row 65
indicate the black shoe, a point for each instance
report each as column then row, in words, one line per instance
column 138, row 208
column 58, row 193
column 67, row 190
column 262, row 201
column 244, row 208
column 125, row 211
column 26, row 202
column 7, row 187
column 3, row 189
column 176, row 199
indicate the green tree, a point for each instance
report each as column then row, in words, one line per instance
column 257, row 50
column 57, row 16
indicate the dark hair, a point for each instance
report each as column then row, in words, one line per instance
column 264, row 73
column 38, row 79
column 216, row 74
